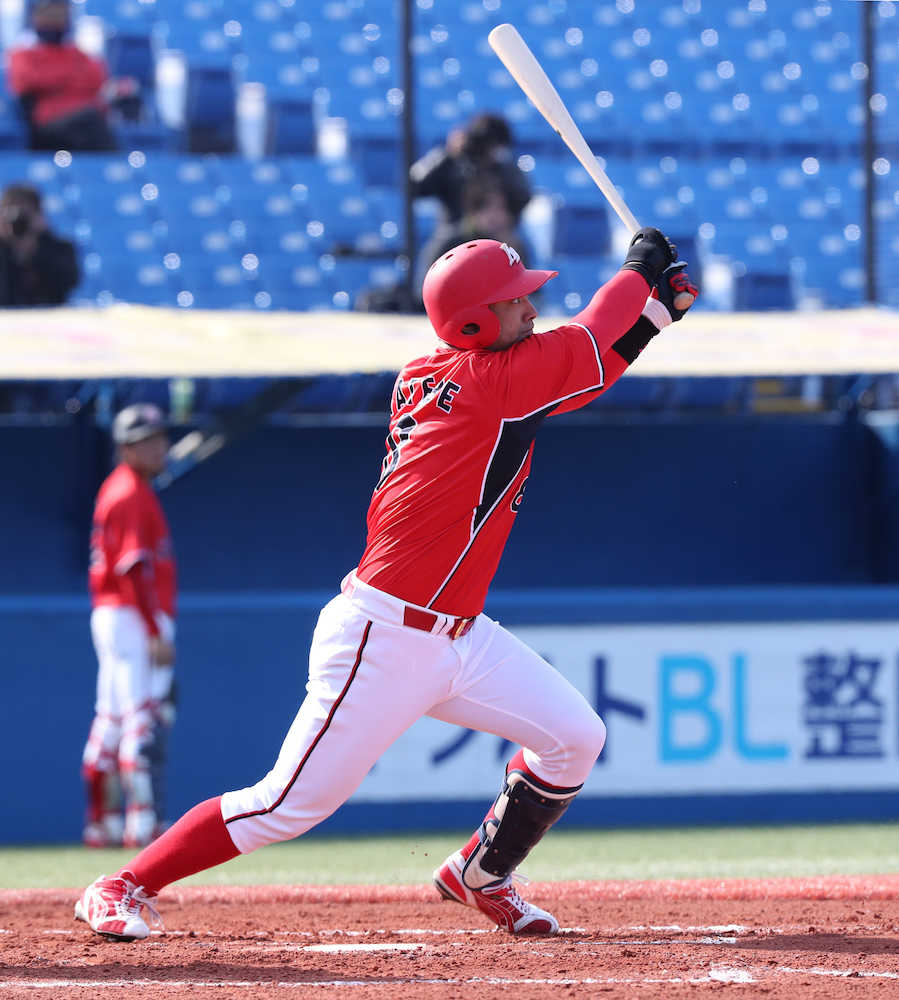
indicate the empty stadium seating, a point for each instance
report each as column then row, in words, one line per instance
column 737, row 127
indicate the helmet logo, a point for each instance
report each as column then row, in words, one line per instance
column 511, row 253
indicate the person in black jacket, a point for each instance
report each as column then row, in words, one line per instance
column 37, row 268
column 486, row 213
column 483, row 150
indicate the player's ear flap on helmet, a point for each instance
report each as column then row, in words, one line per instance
column 475, row 326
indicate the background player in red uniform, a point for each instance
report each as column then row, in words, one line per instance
column 132, row 585
column 407, row 636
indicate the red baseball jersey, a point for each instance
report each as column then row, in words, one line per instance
column 459, row 448
column 130, row 527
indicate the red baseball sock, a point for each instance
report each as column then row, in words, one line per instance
column 95, row 782
column 199, row 840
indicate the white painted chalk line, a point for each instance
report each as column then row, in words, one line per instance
column 692, row 929
column 341, row 948
column 100, row 984
column 337, row 949
column 841, row 973
column 721, row 974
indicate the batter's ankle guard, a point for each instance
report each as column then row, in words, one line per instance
column 521, row 815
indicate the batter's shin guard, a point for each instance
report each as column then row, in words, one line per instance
column 525, row 809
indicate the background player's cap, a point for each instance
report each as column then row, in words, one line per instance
column 138, row 422
column 463, row 283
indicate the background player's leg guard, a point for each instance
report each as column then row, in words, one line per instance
column 104, row 825
column 137, row 782
column 524, row 810
column 99, row 769
column 157, row 747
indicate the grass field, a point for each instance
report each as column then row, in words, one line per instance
column 732, row 852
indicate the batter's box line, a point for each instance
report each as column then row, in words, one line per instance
column 839, row 973
column 722, row 975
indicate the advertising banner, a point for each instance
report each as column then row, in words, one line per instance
column 694, row 709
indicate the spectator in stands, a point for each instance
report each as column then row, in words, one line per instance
column 60, row 87
column 486, row 213
column 483, row 192
column 481, row 150
column 37, row 268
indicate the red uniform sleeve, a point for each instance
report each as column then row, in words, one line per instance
column 127, row 536
column 565, row 368
column 614, row 308
column 139, row 590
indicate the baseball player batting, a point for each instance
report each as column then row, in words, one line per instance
column 407, row 636
column 132, row 585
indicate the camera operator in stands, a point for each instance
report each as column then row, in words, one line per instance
column 486, row 213
column 37, row 268
column 483, row 151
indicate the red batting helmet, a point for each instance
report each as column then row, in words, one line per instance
column 460, row 285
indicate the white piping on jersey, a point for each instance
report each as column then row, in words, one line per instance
column 130, row 560
column 511, row 420
column 589, row 332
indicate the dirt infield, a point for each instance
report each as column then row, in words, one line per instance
column 802, row 938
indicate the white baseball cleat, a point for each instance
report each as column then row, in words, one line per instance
column 112, row 907
column 499, row 900
column 107, row 832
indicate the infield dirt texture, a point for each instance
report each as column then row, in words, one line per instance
column 834, row 936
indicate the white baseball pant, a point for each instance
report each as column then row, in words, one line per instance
column 125, row 711
column 371, row 677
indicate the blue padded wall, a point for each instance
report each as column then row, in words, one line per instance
column 697, row 502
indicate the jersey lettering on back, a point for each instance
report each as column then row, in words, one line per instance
column 458, row 454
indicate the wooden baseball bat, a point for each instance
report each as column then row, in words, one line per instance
column 518, row 59
column 527, row 72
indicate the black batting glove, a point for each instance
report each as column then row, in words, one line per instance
column 674, row 290
column 650, row 252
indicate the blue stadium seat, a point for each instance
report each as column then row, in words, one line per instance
column 742, row 122
column 376, row 148
column 209, row 111
column 130, row 54
column 581, row 229
column 579, row 277
column 290, row 125
column 758, row 291
column 294, row 285
column 13, row 129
